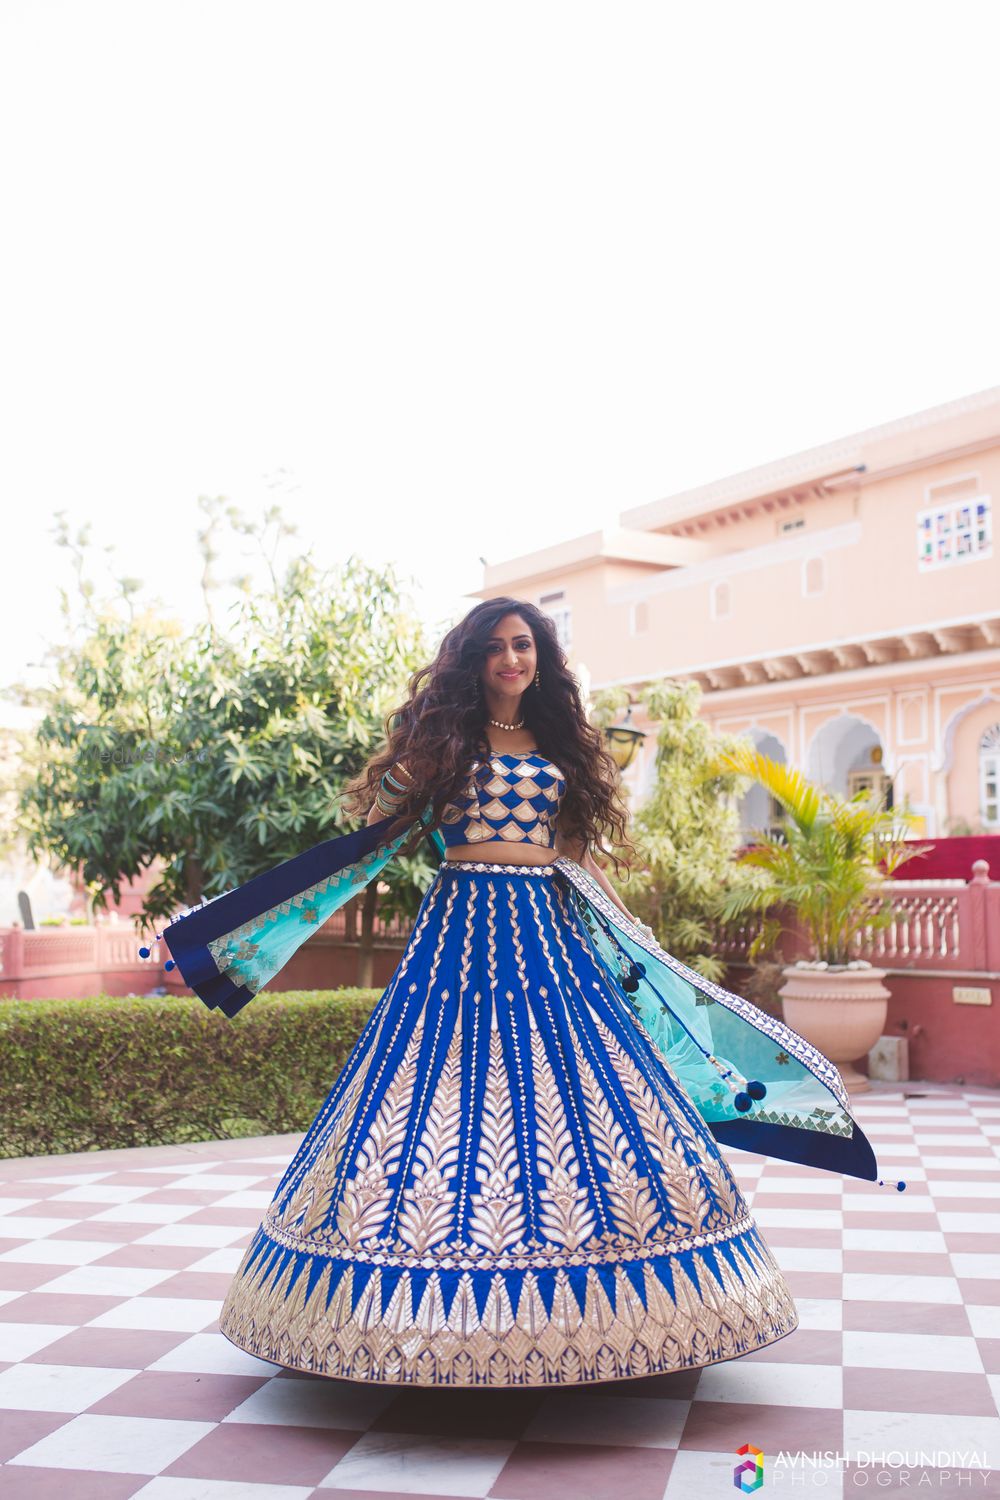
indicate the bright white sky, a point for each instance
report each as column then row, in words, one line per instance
column 473, row 278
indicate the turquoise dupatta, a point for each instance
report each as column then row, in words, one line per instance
column 229, row 947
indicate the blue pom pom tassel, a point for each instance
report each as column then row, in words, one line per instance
column 170, row 964
column 756, row 1089
column 742, row 1102
column 143, row 952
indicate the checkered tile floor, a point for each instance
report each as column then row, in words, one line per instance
column 115, row 1382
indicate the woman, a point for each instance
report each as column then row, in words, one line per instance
column 515, row 1181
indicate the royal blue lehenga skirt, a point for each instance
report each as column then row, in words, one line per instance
column 516, row 1179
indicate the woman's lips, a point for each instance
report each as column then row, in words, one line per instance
column 508, row 676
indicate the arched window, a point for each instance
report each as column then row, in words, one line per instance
column 638, row 617
column 989, row 776
column 721, row 604
column 813, row 576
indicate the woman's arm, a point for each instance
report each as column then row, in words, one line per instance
column 578, row 850
column 390, row 794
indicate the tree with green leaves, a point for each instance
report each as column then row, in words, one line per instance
column 218, row 753
column 686, row 830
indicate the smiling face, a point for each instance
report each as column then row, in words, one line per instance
column 509, row 666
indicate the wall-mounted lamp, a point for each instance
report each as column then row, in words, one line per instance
column 624, row 739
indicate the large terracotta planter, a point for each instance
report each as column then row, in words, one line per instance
column 839, row 1010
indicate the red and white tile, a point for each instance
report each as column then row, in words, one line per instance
column 115, row 1381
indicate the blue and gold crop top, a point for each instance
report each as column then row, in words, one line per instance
column 516, row 804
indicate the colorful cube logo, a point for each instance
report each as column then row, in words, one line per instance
column 749, row 1475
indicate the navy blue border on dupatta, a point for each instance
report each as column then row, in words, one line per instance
column 188, row 936
column 834, row 1153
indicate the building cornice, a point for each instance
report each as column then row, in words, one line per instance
column 612, row 544
column 903, row 652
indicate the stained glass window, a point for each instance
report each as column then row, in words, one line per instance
column 961, row 531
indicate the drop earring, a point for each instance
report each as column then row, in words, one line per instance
column 538, row 680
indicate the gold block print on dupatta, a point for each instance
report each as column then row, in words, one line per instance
column 505, row 1186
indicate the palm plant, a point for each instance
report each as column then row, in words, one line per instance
column 829, row 864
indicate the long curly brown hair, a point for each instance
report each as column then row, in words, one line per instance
column 441, row 729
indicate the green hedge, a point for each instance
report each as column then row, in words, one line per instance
column 88, row 1074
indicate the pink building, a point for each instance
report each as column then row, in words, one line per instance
column 841, row 606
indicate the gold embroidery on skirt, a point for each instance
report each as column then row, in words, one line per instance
column 714, row 1311
column 342, row 1109
column 308, row 1207
column 364, row 1202
column 429, row 1212
column 532, row 997
column 682, row 1179
column 566, row 1216
column 518, row 1345
column 686, row 1191
column 476, row 1018
column 497, row 1219
column 632, row 1204
column 678, row 1103
column 599, row 1250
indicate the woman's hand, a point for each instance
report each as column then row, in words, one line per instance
column 580, row 852
column 593, row 868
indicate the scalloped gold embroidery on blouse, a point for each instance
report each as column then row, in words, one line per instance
column 472, row 820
